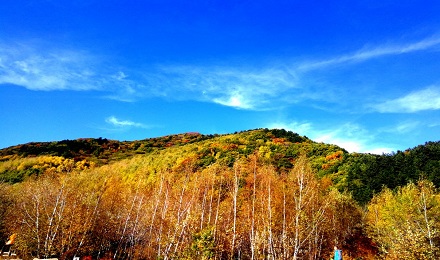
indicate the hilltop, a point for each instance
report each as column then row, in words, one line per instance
column 361, row 174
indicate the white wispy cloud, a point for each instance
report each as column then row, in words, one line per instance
column 114, row 121
column 370, row 53
column 37, row 67
column 270, row 88
column 239, row 88
column 433, row 124
column 406, row 127
column 350, row 136
column 234, row 100
column 420, row 100
column 43, row 69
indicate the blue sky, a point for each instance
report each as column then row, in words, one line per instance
column 364, row 75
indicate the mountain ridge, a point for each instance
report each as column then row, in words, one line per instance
column 362, row 174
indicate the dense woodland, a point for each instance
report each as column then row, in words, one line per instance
column 259, row 194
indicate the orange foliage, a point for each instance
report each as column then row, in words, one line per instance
column 279, row 140
column 335, row 156
column 230, row 147
column 325, row 166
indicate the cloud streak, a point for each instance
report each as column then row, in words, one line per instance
column 39, row 69
column 266, row 88
column 421, row 100
column 272, row 88
column 45, row 69
column 242, row 89
column 112, row 120
column 372, row 53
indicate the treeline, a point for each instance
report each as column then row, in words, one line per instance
column 99, row 150
column 280, row 145
column 367, row 174
column 360, row 174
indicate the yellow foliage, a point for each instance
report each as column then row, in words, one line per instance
column 405, row 223
column 265, row 152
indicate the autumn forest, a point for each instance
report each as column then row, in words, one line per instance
column 258, row 194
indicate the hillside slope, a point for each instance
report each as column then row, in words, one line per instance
column 361, row 174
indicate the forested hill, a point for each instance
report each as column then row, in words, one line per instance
column 255, row 194
column 360, row 174
column 99, row 150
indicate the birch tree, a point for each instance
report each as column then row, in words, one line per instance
column 405, row 223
